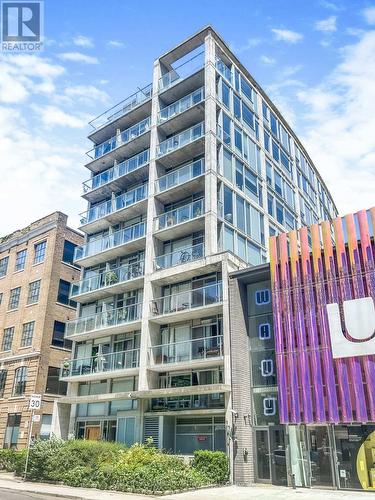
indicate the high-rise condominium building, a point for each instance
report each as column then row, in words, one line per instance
column 189, row 177
column 36, row 271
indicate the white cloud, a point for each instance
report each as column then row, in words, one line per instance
column 52, row 115
column 287, row 35
column 116, row 44
column 331, row 5
column 88, row 94
column 83, row 41
column 369, row 15
column 78, row 57
column 340, row 113
column 248, row 45
column 267, row 60
column 326, row 25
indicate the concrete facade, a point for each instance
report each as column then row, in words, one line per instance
column 38, row 354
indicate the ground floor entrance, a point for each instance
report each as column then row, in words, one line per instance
column 271, row 455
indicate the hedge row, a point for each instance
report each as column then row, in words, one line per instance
column 112, row 466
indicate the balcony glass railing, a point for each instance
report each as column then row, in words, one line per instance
column 122, row 107
column 181, row 72
column 180, row 215
column 108, row 278
column 224, row 69
column 179, row 176
column 184, row 301
column 103, row 320
column 180, row 140
column 187, row 350
column 118, row 140
column 117, row 171
column 120, row 202
column 180, row 256
column 196, row 402
column 102, row 363
column 181, row 105
column 115, row 239
column 223, row 135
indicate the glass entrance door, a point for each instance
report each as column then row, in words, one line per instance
column 277, row 446
column 320, row 456
column 263, row 471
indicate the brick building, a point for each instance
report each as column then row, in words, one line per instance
column 36, row 271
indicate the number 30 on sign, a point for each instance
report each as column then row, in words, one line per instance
column 35, row 401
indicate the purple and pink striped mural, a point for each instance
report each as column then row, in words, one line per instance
column 313, row 386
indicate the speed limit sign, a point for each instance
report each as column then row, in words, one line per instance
column 35, row 401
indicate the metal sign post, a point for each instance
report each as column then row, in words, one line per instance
column 34, row 404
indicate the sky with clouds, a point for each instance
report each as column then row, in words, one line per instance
column 315, row 59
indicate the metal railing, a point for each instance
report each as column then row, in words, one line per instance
column 179, row 176
column 181, row 72
column 108, row 278
column 181, row 105
column 101, row 363
column 115, row 239
column 118, row 203
column 187, row 350
column 179, row 215
column 122, row 108
column 106, row 319
column 117, row 171
column 184, row 301
column 180, row 256
column 125, row 136
column 180, row 140
column 196, row 402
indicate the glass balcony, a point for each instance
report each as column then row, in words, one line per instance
column 187, row 350
column 117, row 171
column 180, row 215
column 126, row 136
column 181, row 105
column 181, row 72
column 100, row 364
column 190, row 299
column 113, row 240
column 196, row 402
column 123, row 107
column 104, row 320
column 223, row 135
column 179, row 176
column 108, row 278
column 223, row 69
column 180, row 140
column 180, row 256
column 120, row 202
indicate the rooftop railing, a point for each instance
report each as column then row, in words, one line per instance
column 181, row 105
column 122, row 108
column 100, row 364
column 190, row 299
column 115, row 239
column 180, row 140
column 118, row 203
column 181, row 72
column 115, row 276
column 117, row 171
column 180, row 256
column 103, row 320
column 118, row 140
column 179, row 176
column 187, row 350
column 179, row 215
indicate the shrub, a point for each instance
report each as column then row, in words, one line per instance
column 10, row 458
column 41, row 465
column 213, row 465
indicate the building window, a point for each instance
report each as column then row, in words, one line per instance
column 14, row 298
column 68, row 252
column 19, row 384
column 20, row 260
column 54, row 385
column 12, row 430
column 3, row 380
column 39, row 252
column 27, row 334
column 33, row 295
column 262, row 297
column 45, row 428
column 7, row 339
column 3, row 266
column 1, row 298
column 58, row 339
column 63, row 294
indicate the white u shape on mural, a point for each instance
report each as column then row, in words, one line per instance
column 359, row 320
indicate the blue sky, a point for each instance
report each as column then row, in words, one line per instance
column 315, row 59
